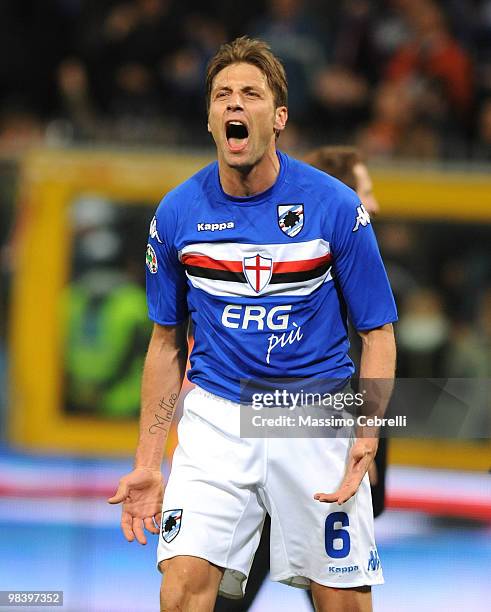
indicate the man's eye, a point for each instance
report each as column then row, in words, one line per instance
column 253, row 94
column 221, row 94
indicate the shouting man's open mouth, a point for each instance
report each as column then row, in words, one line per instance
column 237, row 135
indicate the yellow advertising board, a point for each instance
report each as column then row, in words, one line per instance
column 53, row 179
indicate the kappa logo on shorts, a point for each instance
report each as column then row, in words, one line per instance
column 171, row 524
column 373, row 560
column 343, row 569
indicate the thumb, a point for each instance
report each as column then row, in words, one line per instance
column 120, row 495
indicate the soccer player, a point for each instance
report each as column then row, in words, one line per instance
column 254, row 246
column 346, row 164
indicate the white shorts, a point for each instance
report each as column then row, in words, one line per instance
column 222, row 485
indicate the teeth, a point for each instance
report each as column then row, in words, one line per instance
column 236, row 123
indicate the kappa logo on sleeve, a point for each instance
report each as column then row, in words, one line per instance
column 153, row 230
column 362, row 218
column 171, row 524
column 151, row 260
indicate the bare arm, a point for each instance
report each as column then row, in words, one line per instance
column 141, row 491
column 163, row 374
column 377, row 371
column 378, row 354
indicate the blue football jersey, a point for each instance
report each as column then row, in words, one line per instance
column 268, row 280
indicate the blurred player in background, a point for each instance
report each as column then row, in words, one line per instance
column 347, row 165
column 248, row 246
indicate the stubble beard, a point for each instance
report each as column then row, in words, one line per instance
column 243, row 167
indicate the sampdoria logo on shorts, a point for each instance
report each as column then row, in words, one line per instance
column 151, row 259
column 171, row 524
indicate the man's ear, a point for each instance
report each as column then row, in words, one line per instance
column 208, row 126
column 281, row 117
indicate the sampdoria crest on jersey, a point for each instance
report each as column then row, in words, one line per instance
column 151, row 260
column 362, row 218
column 171, row 524
column 258, row 271
column 153, row 230
column 290, row 218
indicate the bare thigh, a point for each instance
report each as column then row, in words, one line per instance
column 189, row 584
column 330, row 599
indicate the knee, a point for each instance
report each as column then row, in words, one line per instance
column 175, row 587
column 185, row 581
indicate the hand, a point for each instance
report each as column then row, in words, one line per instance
column 141, row 492
column 361, row 456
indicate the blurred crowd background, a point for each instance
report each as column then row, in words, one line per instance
column 400, row 78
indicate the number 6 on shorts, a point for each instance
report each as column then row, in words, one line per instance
column 331, row 534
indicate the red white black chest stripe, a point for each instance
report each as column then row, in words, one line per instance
column 254, row 269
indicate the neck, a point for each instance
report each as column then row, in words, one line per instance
column 247, row 181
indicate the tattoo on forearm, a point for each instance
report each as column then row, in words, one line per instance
column 163, row 417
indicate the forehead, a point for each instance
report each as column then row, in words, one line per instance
column 240, row 75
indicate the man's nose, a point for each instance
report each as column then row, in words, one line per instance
column 235, row 102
